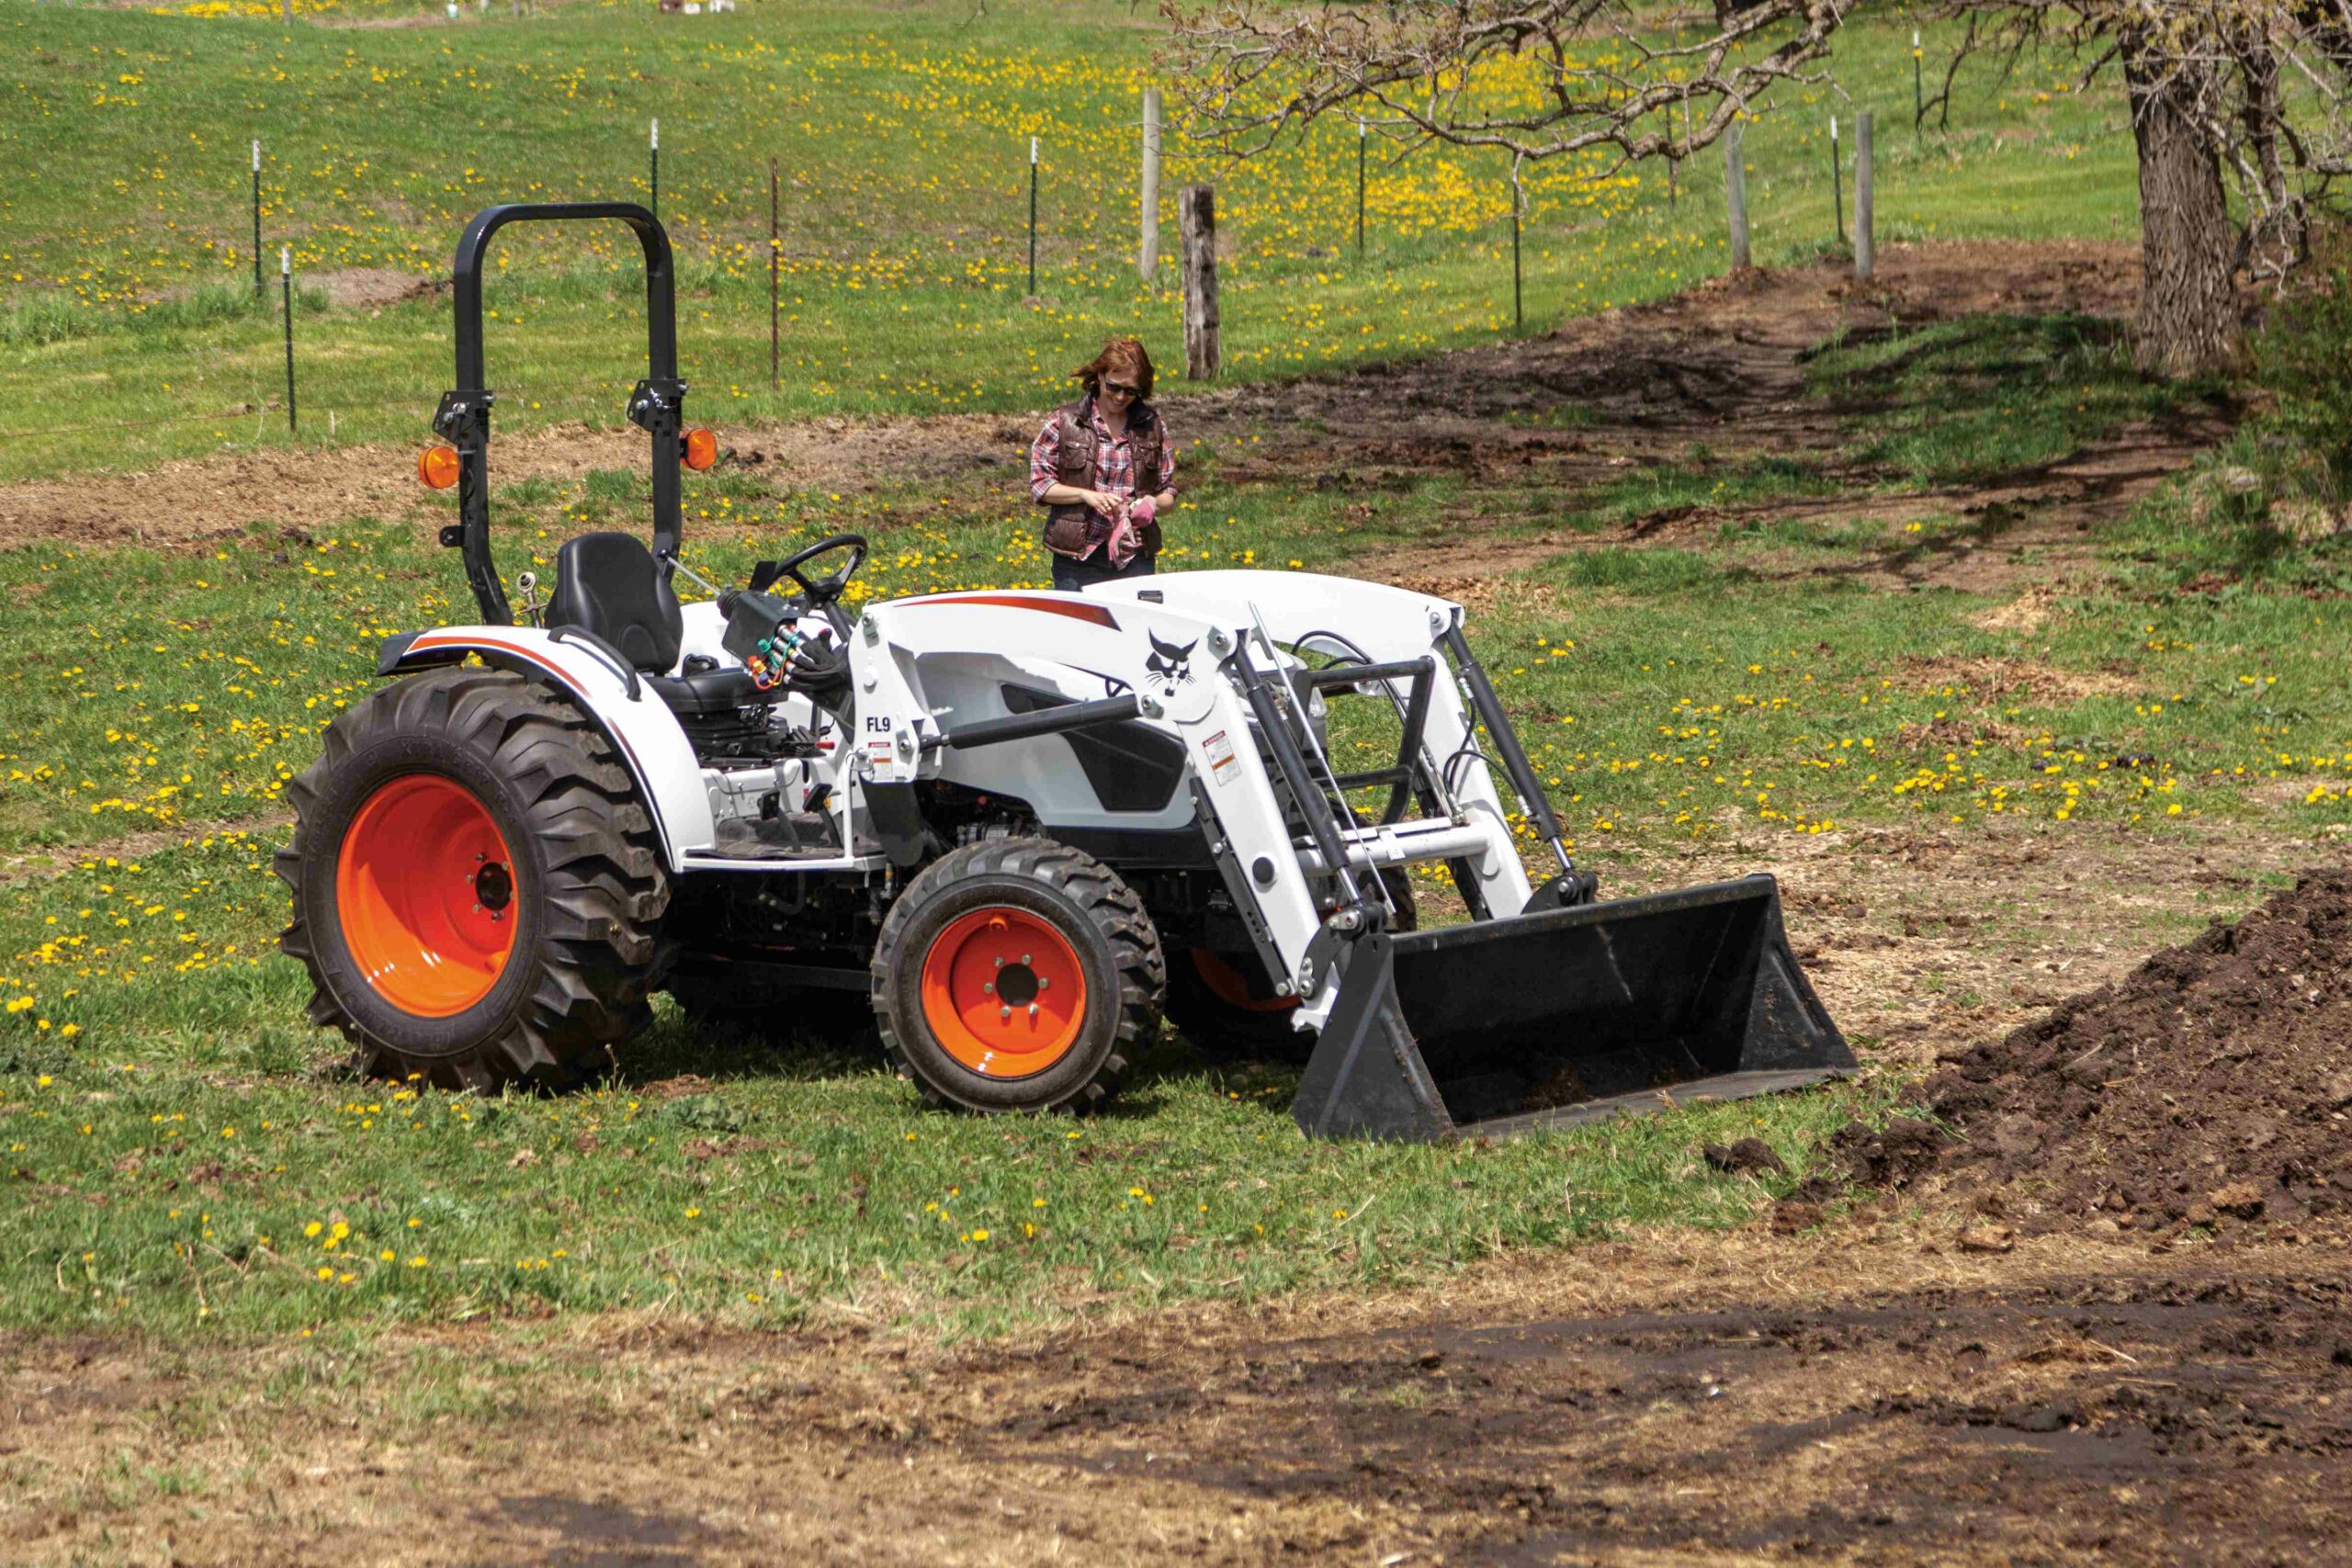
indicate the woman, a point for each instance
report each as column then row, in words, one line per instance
column 1104, row 470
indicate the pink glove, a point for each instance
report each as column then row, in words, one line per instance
column 1126, row 532
column 1126, row 538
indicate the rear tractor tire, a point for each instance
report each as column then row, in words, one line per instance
column 477, row 890
column 1017, row 975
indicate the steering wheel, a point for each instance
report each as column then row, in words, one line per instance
column 825, row 591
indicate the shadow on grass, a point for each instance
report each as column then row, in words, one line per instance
column 1992, row 396
column 673, row 1052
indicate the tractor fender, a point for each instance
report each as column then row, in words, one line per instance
column 639, row 725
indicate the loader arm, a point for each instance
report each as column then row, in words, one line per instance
column 1394, row 629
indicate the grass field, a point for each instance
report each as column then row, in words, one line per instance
column 196, row 1161
column 188, row 1159
column 126, row 267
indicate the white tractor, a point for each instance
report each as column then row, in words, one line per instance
column 1008, row 827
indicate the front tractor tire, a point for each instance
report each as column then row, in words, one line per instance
column 1017, row 975
column 477, row 890
column 1224, row 1004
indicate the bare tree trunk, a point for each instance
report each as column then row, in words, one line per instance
column 2275, row 232
column 2188, row 308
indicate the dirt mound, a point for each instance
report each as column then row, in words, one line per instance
column 2213, row 1085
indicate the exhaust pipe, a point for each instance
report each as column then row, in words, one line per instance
column 1567, row 1016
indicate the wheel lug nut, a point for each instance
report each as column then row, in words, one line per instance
column 1043, row 982
column 989, row 985
column 999, row 962
column 1004, row 1013
column 1032, row 1010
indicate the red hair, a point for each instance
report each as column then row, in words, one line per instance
column 1121, row 355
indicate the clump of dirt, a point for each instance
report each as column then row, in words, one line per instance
column 2013, row 679
column 2212, row 1085
column 1748, row 1155
column 372, row 287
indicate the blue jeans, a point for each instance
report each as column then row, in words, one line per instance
column 1072, row 575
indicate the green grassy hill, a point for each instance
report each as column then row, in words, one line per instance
column 902, row 141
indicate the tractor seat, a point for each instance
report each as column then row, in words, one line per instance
column 709, row 693
column 609, row 586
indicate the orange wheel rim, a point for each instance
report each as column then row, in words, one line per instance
column 426, row 892
column 1003, row 992
column 1227, row 985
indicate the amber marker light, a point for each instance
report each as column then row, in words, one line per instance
column 702, row 449
column 437, row 466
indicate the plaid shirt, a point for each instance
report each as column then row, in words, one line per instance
column 1114, row 464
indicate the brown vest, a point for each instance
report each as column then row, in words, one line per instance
column 1065, row 527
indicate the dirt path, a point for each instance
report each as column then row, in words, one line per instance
column 1718, row 364
column 1880, row 1396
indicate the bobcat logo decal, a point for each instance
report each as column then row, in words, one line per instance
column 1169, row 662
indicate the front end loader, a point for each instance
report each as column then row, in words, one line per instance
column 1002, row 830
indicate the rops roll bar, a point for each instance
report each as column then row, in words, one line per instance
column 463, row 418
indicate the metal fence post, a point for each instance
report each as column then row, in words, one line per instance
column 285, row 286
column 257, row 294
column 1360, row 139
column 1864, row 248
column 1518, row 309
column 1836, row 182
column 775, row 292
column 1919, row 92
column 1736, row 196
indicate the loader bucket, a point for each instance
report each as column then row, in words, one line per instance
column 1568, row 1016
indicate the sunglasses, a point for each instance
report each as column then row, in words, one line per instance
column 1122, row 390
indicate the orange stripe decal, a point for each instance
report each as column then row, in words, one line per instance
column 1092, row 614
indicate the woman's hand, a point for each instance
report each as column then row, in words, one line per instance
column 1111, row 506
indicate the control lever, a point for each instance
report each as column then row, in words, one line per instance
column 760, row 633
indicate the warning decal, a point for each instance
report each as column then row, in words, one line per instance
column 1223, row 766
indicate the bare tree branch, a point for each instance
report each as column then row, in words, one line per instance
column 1536, row 79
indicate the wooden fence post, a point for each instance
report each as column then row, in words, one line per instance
column 1196, row 224
column 1147, row 253
column 1865, row 250
column 1735, row 196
